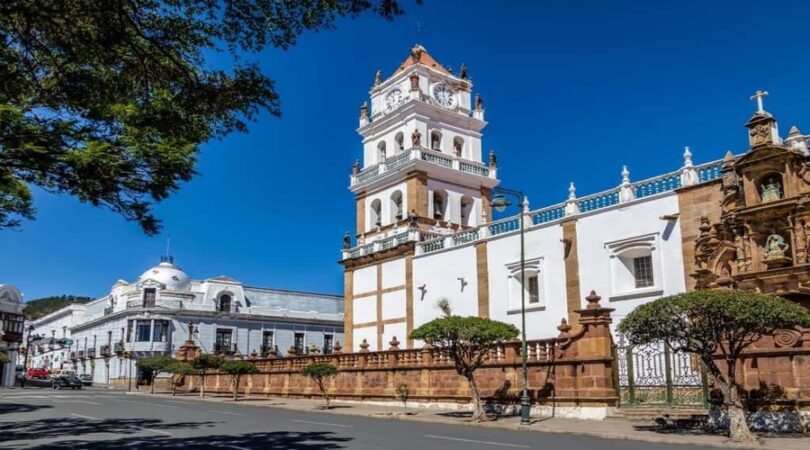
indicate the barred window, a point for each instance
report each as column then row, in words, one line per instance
column 533, row 288
column 643, row 271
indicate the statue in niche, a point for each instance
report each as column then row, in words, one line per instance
column 416, row 138
column 771, row 190
column 413, row 219
column 347, row 240
column 775, row 247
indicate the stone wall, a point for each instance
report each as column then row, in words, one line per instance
column 695, row 202
column 572, row 373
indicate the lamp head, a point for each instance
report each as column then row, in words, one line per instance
column 500, row 203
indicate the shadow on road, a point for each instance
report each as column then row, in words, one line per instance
column 279, row 440
column 58, row 427
column 8, row 408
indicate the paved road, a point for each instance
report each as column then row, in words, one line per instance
column 102, row 419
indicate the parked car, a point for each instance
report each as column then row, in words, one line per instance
column 87, row 379
column 59, row 372
column 19, row 373
column 38, row 372
column 67, row 381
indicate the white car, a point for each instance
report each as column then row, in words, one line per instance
column 58, row 373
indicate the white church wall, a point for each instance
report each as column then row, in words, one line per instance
column 633, row 228
column 543, row 246
column 391, row 330
column 393, row 305
column 365, row 309
column 364, row 280
column 367, row 333
column 393, row 273
column 439, row 273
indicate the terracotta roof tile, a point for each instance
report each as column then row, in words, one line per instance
column 419, row 55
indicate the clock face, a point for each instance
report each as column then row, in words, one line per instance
column 444, row 96
column 393, row 99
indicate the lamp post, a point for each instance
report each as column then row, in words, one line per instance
column 500, row 203
column 27, row 353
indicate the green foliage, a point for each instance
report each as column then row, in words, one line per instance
column 319, row 371
column 154, row 364
column 238, row 367
column 179, row 368
column 205, row 362
column 109, row 100
column 37, row 308
column 3, row 358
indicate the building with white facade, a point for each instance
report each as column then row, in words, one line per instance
column 425, row 229
column 150, row 316
column 11, row 332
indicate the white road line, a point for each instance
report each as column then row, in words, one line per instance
column 325, row 423
column 473, row 441
column 84, row 417
column 79, row 401
column 226, row 412
column 157, row 431
column 179, row 402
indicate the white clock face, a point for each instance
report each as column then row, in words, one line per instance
column 393, row 99
column 444, row 96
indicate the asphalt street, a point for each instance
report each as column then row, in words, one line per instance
column 104, row 419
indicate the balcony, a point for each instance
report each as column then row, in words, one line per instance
column 81, row 354
column 225, row 348
column 148, row 347
column 108, row 310
column 91, row 353
column 119, row 347
column 10, row 336
column 168, row 303
column 105, row 351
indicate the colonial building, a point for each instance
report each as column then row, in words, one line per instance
column 425, row 228
column 11, row 332
column 150, row 316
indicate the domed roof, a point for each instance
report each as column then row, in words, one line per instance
column 169, row 275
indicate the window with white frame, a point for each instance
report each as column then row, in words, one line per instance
column 635, row 266
column 529, row 288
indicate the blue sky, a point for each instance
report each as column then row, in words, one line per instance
column 573, row 91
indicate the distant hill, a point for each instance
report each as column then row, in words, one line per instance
column 35, row 309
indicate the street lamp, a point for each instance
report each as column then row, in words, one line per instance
column 27, row 354
column 500, row 203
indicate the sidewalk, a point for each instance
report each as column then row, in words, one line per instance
column 610, row 429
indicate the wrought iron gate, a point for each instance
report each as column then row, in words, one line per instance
column 654, row 375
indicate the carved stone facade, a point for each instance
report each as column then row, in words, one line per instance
column 760, row 240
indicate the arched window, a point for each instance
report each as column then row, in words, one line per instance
column 435, row 141
column 771, row 187
column 458, row 146
column 225, row 303
column 634, row 266
column 529, row 285
column 374, row 213
column 400, row 140
column 396, row 206
column 381, row 153
column 440, row 205
column 466, row 210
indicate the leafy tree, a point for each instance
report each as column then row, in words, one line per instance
column 320, row 372
column 153, row 365
column 178, row 369
column 468, row 341
column 202, row 364
column 715, row 324
column 109, row 100
column 236, row 368
column 3, row 358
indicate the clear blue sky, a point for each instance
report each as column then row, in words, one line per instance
column 573, row 90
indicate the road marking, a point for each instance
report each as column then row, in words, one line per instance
column 146, row 403
column 179, row 402
column 226, row 412
column 79, row 401
column 157, row 431
column 473, row 441
column 84, row 417
column 325, row 423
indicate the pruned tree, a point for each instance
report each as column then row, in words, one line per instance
column 110, row 100
column 319, row 373
column 153, row 365
column 202, row 364
column 235, row 369
column 468, row 342
column 179, row 370
column 715, row 325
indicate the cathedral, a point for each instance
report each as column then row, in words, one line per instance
column 425, row 193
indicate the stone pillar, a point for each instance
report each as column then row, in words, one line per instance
column 596, row 343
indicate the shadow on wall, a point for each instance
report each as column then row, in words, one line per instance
column 279, row 440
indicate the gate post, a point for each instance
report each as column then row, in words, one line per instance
column 668, row 372
column 631, row 376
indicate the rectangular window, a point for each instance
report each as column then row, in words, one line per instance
column 161, row 330
column 298, row 343
column 267, row 341
column 533, row 288
column 643, row 271
column 327, row 343
column 149, row 297
column 143, row 330
column 129, row 330
column 223, row 341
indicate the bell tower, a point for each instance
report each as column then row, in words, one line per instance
column 422, row 155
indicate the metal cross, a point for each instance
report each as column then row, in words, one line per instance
column 758, row 95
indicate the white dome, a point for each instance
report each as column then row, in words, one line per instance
column 169, row 275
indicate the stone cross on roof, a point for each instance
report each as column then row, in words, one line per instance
column 759, row 95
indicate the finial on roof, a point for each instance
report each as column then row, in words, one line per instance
column 572, row 191
column 729, row 156
column 626, row 191
column 416, row 52
column 687, row 157
column 625, row 175
column 463, row 71
column 378, row 78
column 493, row 159
column 525, row 205
column 479, row 102
column 759, row 96
column 571, row 205
column 794, row 131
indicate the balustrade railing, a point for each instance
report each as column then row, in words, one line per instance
column 171, row 303
column 431, row 156
column 548, row 214
column 397, row 160
column 437, row 158
column 481, row 171
column 465, row 237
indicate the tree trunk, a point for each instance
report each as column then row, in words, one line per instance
column 738, row 429
column 478, row 410
column 202, row 386
column 152, row 384
column 236, row 389
column 323, row 392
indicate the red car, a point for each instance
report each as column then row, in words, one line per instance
column 39, row 372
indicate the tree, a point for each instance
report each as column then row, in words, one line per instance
column 468, row 342
column 110, row 100
column 236, row 368
column 715, row 324
column 202, row 364
column 319, row 373
column 178, row 369
column 3, row 358
column 153, row 365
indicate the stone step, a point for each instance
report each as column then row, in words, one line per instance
column 647, row 414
